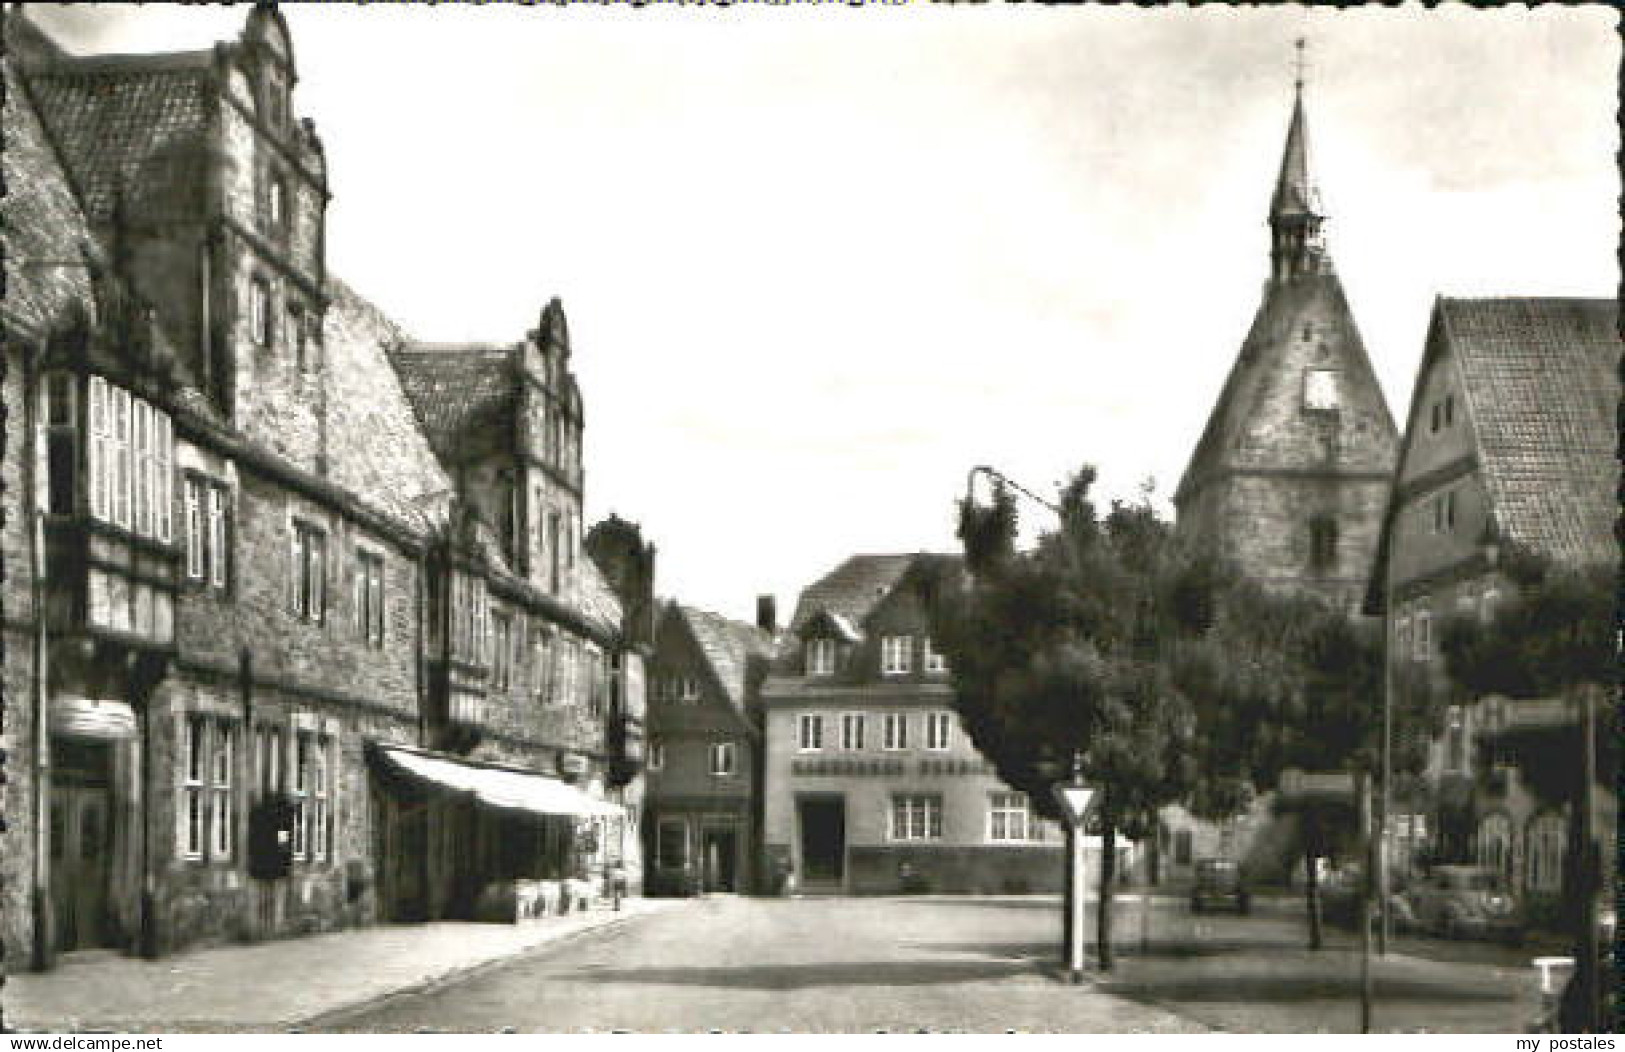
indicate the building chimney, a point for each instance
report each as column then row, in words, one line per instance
column 767, row 616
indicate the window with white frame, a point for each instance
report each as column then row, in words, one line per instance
column 657, row 754
column 278, row 204
column 307, row 569
column 820, row 657
column 916, row 816
column 1009, row 817
column 938, row 727
column 259, row 306
column 207, row 804
column 1455, row 739
column 896, row 654
column 215, row 516
column 194, row 774
column 688, row 689
column 934, row 660
column 270, row 764
column 369, row 597
column 723, row 759
column 810, row 732
column 597, row 671
column 131, row 461
column 311, row 798
column 206, row 525
column 852, row 731
column 1422, row 627
column 541, row 666
column 894, row 731
column 501, row 651
column 1545, row 843
column 470, row 618
column 1495, row 844
column 221, row 818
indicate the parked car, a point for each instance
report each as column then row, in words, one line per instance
column 1465, row 902
column 1219, row 880
column 1340, row 893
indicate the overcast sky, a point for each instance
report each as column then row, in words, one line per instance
column 820, row 260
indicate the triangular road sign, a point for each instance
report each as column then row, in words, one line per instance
column 1074, row 801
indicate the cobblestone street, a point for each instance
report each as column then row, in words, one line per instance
column 950, row 964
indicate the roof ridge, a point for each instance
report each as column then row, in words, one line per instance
column 198, row 61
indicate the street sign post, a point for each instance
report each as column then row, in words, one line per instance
column 1075, row 801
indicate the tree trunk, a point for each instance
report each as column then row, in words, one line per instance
column 1103, row 904
column 1311, row 883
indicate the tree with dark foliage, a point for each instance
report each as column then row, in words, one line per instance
column 1062, row 653
column 1555, row 638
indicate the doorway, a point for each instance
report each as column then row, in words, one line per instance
column 81, row 842
column 823, row 839
column 719, row 854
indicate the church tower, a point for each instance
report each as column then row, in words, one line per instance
column 1291, row 474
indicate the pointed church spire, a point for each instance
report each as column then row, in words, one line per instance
column 1295, row 215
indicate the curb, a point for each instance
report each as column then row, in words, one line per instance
column 324, row 1020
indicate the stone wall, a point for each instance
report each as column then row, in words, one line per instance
column 17, row 738
column 955, row 870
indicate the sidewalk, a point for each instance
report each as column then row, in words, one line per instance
column 273, row 986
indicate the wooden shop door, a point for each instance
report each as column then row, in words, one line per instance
column 81, row 843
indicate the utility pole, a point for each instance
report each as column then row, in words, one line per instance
column 1384, row 879
column 1362, row 788
column 1584, row 857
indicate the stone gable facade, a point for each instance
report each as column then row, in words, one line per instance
column 263, row 585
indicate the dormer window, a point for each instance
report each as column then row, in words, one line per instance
column 820, row 657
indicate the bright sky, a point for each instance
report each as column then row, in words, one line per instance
column 820, row 260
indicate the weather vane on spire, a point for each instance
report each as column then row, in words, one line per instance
column 1297, row 82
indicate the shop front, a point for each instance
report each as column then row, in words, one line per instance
column 93, row 841
column 462, row 840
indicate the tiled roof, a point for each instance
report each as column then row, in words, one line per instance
column 1541, row 379
column 852, row 589
column 464, row 394
column 728, row 646
column 1294, row 189
column 138, row 120
column 375, row 446
column 1257, row 423
column 44, row 229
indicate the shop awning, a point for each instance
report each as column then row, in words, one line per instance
column 501, row 787
column 91, row 718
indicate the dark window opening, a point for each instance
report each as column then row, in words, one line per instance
column 1322, row 542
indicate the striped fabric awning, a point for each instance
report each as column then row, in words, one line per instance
column 502, row 787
